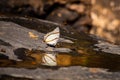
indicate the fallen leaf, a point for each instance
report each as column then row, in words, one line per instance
column 32, row 35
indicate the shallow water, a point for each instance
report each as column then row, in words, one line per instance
column 82, row 50
column 107, row 61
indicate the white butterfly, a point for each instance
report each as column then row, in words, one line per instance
column 52, row 37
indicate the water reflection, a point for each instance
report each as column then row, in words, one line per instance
column 108, row 61
column 49, row 60
column 37, row 59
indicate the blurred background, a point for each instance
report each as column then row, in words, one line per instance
column 99, row 17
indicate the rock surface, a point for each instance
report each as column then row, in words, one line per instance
column 70, row 73
column 84, row 53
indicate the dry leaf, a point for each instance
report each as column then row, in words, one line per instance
column 32, row 35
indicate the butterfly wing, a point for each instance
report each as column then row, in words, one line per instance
column 52, row 37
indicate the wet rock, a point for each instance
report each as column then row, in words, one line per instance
column 107, row 47
column 20, row 37
column 85, row 51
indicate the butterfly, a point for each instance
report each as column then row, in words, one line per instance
column 52, row 37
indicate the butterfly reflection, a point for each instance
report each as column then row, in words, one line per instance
column 51, row 40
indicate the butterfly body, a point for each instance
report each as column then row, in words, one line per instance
column 52, row 37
